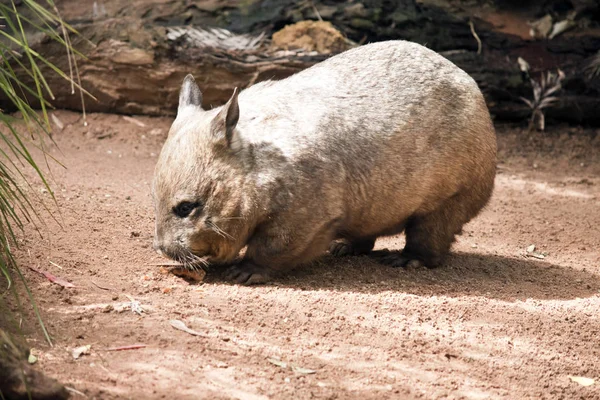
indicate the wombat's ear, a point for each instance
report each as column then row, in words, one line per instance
column 190, row 94
column 225, row 122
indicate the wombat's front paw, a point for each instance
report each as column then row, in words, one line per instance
column 247, row 273
column 340, row 248
column 343, row 247
column 396, row 259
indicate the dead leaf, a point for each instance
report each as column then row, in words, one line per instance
column 560, row 27
column 195, row 275
column 32, row 359
column 135, row 305
column 295, row 368
column 278, row 362
column 541, row 28
column 163, row 271
column 100, row 287
column 582, row 380
column 301, row 370
column 134, row 121
column 523, row 65
column 180, row 325
column 54, row 279
column 536, row 254
column 57, row 122
column 79, row 351
column 130, row 347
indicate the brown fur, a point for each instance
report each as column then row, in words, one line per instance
column 385, row 138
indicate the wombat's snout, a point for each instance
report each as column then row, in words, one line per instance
column 156, row 246
column 166, row 250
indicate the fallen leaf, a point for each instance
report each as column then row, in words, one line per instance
column 196, row 275
column 560, row 27
column 523, row 65
column 54, row 279
column 57, row 122
column 582, row 380
column 277, row 362
column 135, row 305
column 32, row 359
column 180, row 325
column 531, row 248
column 164, row 271
column 295, row 368
column 130, row 347
column 301, row 370
column 134, row 121
column 100, row 287
column 541, row 27
column 79, row 351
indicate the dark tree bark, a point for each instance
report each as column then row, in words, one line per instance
column 18, row 379
column 133, row 68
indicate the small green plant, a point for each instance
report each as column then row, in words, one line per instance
column 544, row 91
column 19, row 134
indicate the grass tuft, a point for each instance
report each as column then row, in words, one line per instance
column 18, row 202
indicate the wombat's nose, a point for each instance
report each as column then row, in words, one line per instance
column 156, row 246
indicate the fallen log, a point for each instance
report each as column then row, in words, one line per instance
column 136, row 64
column 140, row 70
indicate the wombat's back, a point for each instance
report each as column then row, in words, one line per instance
column 397, row 126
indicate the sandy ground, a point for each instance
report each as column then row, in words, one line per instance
column 493, row 322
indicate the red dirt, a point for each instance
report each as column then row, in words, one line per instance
column 491, row 323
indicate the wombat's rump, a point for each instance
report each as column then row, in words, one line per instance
column 383, row 138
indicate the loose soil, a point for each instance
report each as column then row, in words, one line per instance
column 493, row 322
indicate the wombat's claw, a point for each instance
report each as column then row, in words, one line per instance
column 247, row 274
column 344, row 247
column 340, row 248
column 396, row 259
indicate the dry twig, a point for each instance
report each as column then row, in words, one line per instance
column 475, row 36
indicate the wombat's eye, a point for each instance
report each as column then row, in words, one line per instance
column 185, row 208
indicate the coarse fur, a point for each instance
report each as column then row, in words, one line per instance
column 383, row 138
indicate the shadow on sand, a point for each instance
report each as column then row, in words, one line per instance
column 463, row 274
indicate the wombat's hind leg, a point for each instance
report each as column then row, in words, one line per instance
column 344, row 247
column 247, row 273
column 430, row 236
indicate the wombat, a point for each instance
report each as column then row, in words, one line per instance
column 384, row 138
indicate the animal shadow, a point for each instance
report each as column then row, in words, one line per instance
column 463, row 274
